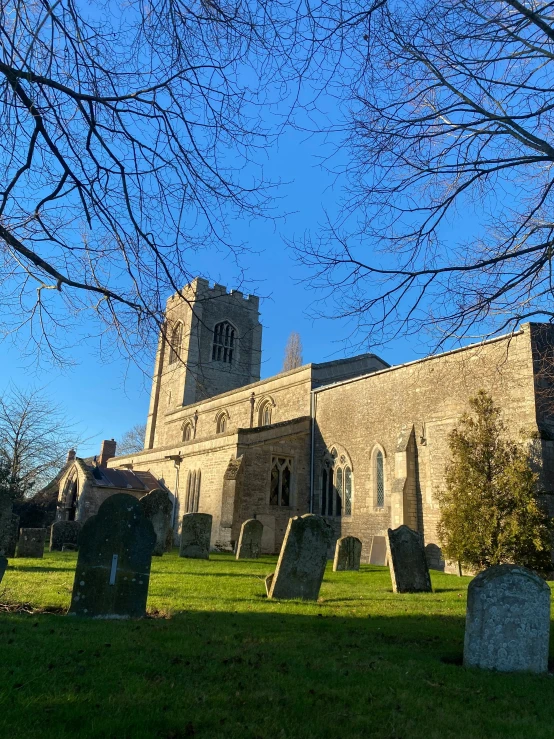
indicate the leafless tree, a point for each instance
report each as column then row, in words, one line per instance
column 447, row 224
column 35, row 437
column 132, row 440
column 293, row 352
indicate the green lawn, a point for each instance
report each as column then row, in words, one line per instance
column 220, row 660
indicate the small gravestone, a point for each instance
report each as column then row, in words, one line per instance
column 64, row 535
column 157, row 507
column 250, row 539
column 347, row 554
column 113, row 566
column 302, row 559
column 407, row 562
column 196, row 533
column 507, row 621
column 31, row 543
column 3, row 565
column 6, row 531
column 378, row 551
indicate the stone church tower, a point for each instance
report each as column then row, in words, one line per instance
column 212, row 344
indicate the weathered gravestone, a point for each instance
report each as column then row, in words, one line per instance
column 3, row 565
column 507, row 621
column 250, row 539
column 347, row 554
column 31, row 543
column 113, row 567
column 64, row 534
column 302, row 559
column 407, row 562
column 6, row 526
column 157, row 507
column 196, row 533
column 378, row 551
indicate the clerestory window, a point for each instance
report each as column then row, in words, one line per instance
column 224, row 342
column 187, row 431
column 281, row 481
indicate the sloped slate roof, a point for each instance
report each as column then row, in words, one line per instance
column 114, row 478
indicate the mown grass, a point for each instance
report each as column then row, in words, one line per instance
column 220, row 660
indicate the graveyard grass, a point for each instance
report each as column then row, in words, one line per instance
column 218, row 659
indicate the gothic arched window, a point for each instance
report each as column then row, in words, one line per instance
column 264, row 414
column 192, row 499
column 187, row 431
column 221, row 423
column 280, row 481
column 379, row 479
column 336, row 486
column 175, row 343
column 224, row 342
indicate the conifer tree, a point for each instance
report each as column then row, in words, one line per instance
column 489, row 509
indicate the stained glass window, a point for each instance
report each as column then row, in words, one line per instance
column 338, row 493
column 348, row 492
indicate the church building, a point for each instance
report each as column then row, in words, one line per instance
column 358, row 441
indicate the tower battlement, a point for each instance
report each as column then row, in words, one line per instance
column 199, row 289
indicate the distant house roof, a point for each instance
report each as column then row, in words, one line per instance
column 114, row 478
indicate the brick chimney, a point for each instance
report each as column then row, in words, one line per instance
column 70, row 456
column 107, row 451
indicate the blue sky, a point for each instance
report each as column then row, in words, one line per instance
column 105, row 397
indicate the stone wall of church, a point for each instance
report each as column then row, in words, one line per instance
column 424, row 399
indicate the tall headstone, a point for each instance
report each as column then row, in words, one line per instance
column 113, row 566
column 196, row 533
column 157, row 507
column 378, row 551
column 31, row 543
column 347, row 554
column 63, row 533
column 6, row 525
column 507, row 621
column 250, row 539
column 302, row 559
column 3, row 566
column 407, row 562
column 13, row 538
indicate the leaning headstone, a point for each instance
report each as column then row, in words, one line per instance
column 63, row 534
column 378, row 551
column 113, row 566
column 157, row 507
column 5, row 524
column 196, row 533
column 31, row 543
column 507, row 621
column 347, row 554
column 407, row 562
column 3, row 565
column 302, row 559
column 250, row 539
column 13, row 538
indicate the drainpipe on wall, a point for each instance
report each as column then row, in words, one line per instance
column 313, row 405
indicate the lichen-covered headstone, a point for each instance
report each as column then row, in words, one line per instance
column 347, row 554
column 64, row 534
column 31, row 543
column 3, row 566
column 302, row 559
column 507, row 621
column 157, row 508
column 378, row 551
column 113, row 566
column 196, row 533
column 250, row 539
column 407, row 562
column 6, row 529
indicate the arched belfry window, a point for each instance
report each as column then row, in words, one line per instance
column 224, row 342
column 175, row 343
column 336, row 485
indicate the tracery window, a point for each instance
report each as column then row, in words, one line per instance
column 187, row 431
column 281, row 481
column 175, row 343
column 379, row 480
column 224, row 342
column 336, row 486
column 192, row 498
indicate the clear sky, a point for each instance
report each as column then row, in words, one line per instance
column 105, row 397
